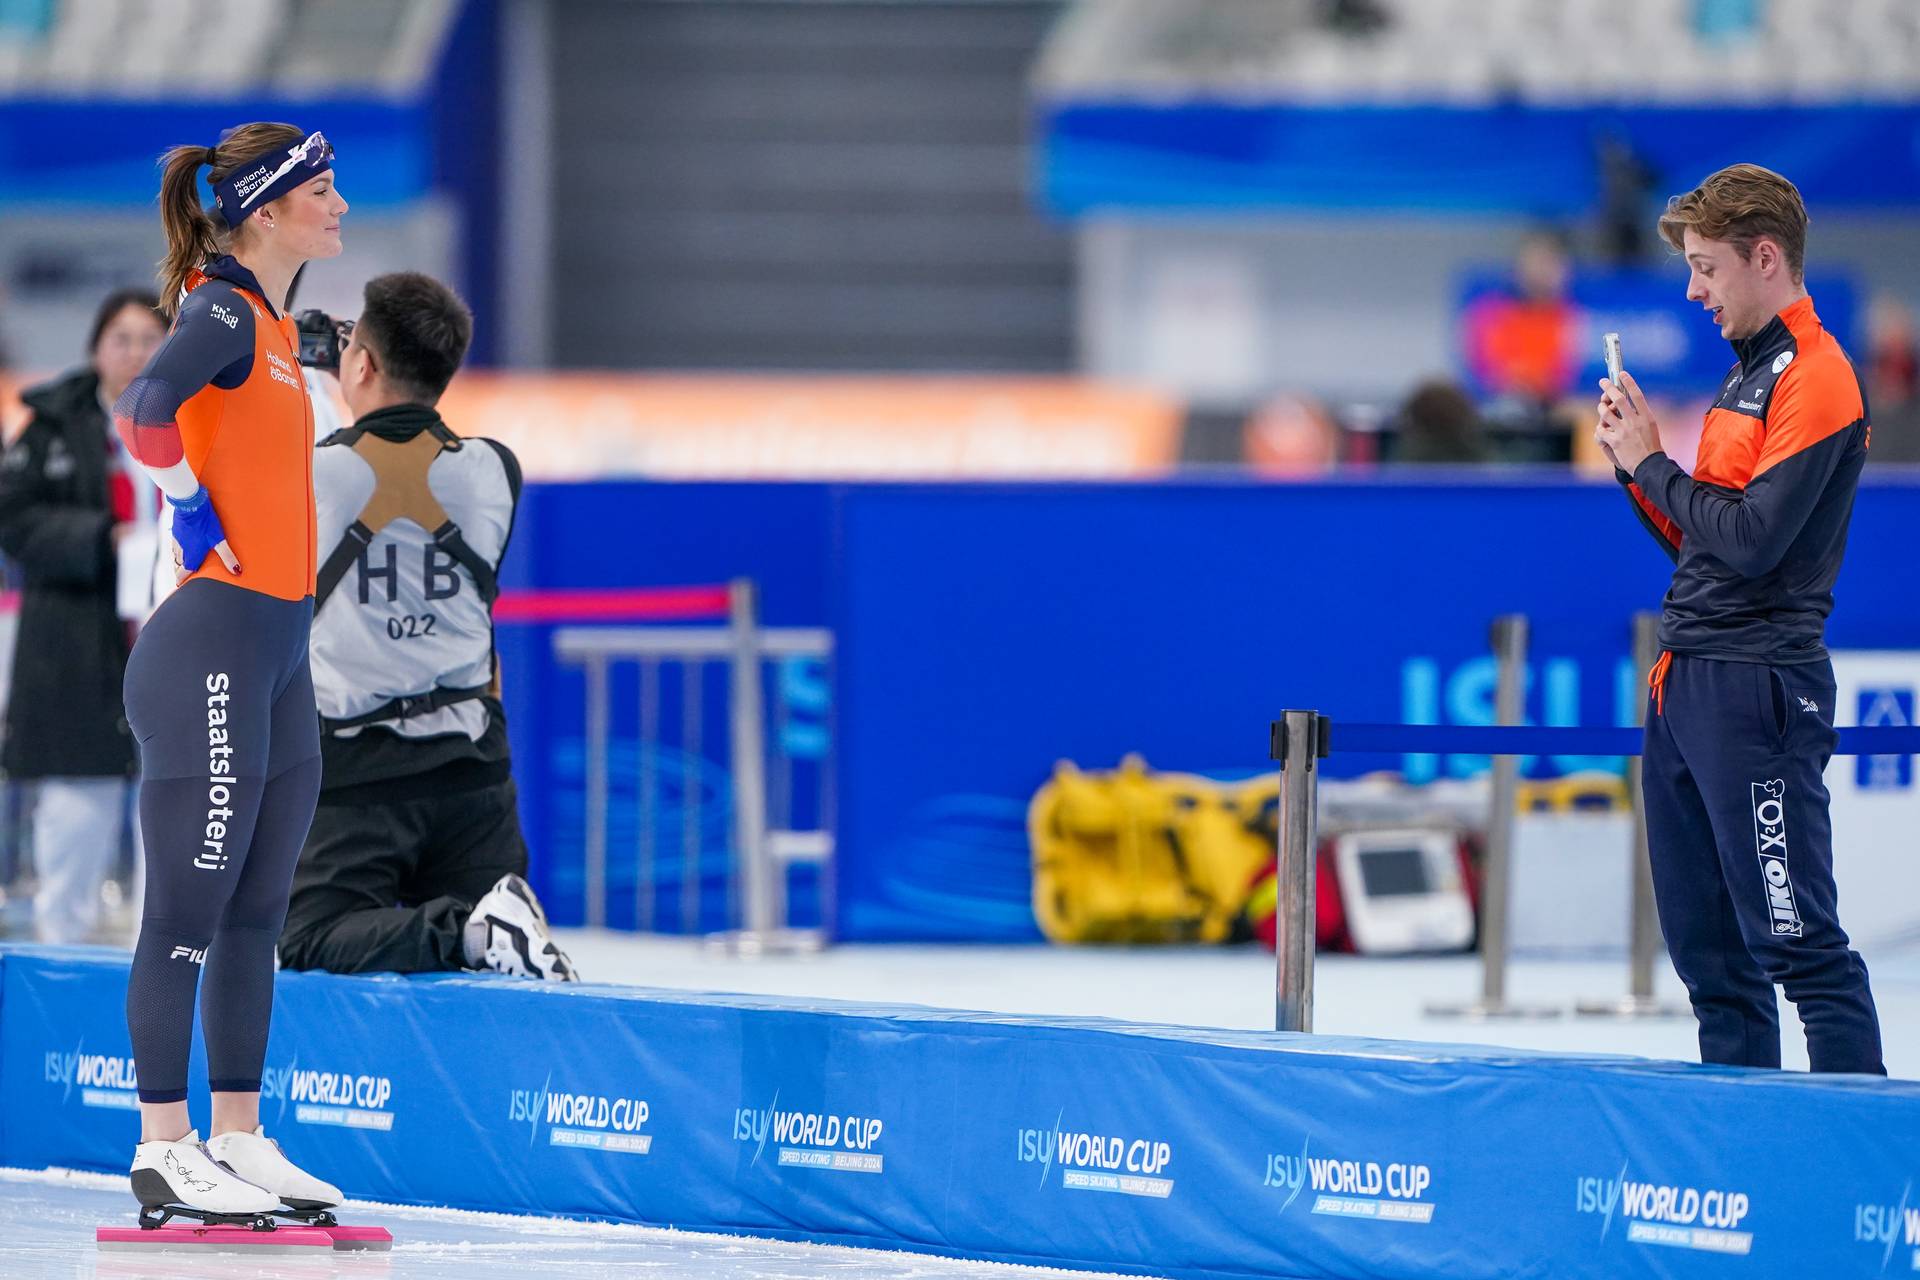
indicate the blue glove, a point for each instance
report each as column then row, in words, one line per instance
column 196, row 527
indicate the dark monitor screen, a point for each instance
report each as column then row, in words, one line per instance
column 1394, row 873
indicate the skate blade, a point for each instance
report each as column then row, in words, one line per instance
column 195, row 1238
column 359, row 1239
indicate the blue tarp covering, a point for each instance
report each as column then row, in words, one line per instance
column 1076, row 1142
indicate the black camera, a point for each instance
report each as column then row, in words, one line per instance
column 322, row 340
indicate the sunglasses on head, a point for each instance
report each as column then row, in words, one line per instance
column 314, row 153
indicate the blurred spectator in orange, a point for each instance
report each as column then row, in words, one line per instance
column 1893, row 382
column 1522, row 344
column 1290, row 435
column 68, row 496
column 1440, row 423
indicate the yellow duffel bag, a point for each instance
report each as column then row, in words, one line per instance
column 1137, row 856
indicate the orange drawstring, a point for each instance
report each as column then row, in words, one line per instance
column 1657, row 681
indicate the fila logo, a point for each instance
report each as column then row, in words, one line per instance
column 1770, row 843
column 189, row 955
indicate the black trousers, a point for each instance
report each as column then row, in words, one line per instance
column 220, row 698
column 389, row 887
column 1742, row 852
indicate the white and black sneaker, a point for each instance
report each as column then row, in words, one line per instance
column 185, row 1175
column 508, row 932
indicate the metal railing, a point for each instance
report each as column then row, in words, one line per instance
column 1300, row 739
column 764, row 848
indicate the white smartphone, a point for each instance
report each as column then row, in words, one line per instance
column 1612, row 341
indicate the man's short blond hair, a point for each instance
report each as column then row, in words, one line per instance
column 1741, row 204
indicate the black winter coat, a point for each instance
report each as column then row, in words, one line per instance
column 66, row 716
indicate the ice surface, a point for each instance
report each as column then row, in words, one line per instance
column 1229, row 987
column 47, row 1220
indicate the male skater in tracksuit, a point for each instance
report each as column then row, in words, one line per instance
column 1741, row 723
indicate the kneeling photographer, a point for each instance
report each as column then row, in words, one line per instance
column 415, row 859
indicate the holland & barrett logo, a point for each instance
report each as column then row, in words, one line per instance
column 1889, row 1226
column 101, row 1079
column 1680, row 1217
column 1390, row 1191
column 1123, row 1164
column 585, row 1121
column 811, row 1139
column 342, row 1098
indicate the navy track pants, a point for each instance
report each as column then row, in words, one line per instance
column 220, row 698
column 1742, row 851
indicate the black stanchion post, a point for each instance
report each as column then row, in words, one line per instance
column 1299, row 743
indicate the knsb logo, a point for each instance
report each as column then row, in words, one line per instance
column 1097, row 1162
column 1677, row 1216
column 583, row 1120
column 1885, row 1226
column 1770, row 841
column 812, row 1139
column 341, row 1098
column 1389, row 1191
column 105, row 1080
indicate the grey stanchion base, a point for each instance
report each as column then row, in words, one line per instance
column 773, row 942
column 1633, row 1007
column 1484, row 1010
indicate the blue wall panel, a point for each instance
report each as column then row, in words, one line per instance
column 634, row 534
column 986, row 631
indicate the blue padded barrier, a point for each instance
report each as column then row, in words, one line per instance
column 1076, row 1142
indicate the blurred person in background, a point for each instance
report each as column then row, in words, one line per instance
column 69, row 495
column 415, row 859
column 1521, row 343
column 1291, row 435
column 1440, row 423
column 1893, row 381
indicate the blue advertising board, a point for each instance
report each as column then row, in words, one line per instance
column 1171, row 1151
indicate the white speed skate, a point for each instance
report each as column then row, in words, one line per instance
column 183, row 1179
column 507, row 932
column 258, row 1158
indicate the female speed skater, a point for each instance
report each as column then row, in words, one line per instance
column 218, row 691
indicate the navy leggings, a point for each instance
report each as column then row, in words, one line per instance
column 1742, row 851
column 220, row 699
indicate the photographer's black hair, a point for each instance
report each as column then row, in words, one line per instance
column 417, row 330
